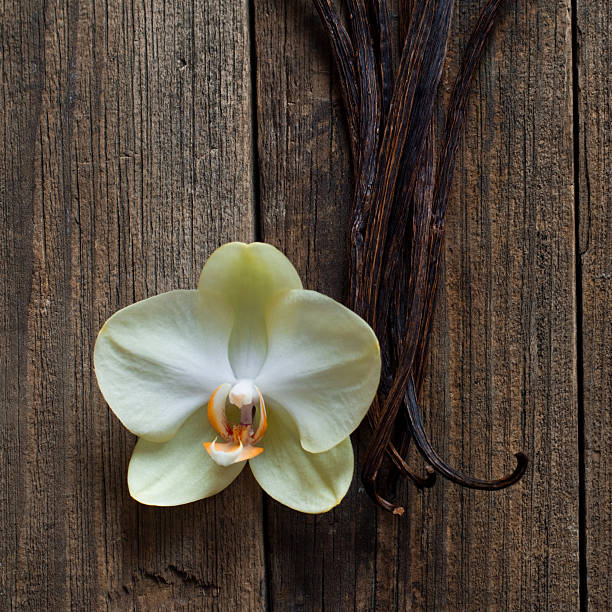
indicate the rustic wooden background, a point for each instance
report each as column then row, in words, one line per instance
column 139, row 135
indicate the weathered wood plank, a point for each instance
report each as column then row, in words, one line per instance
column 127, row 159
column 594, row 23
column 502, row 370
column 502, row 374
column 321, row 562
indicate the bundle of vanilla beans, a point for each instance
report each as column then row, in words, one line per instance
column 402, row 180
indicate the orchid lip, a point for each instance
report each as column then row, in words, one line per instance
column 228, row 454
column 240, row 438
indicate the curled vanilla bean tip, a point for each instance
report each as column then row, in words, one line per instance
column 521, row 466
column 424, row 483
column 450, row 473
column 420, row 482
column 430, row 479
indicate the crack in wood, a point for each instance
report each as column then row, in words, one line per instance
column 169, row 580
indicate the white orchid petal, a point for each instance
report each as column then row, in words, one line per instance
column 308, row 482
column 158, row 360
column 323, row 366
column 248, row 276
column 178, row 471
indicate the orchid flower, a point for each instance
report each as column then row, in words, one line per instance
column 248, row 367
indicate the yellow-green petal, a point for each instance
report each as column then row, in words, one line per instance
column 322, row 366
column 308, row 482
column 159, row 360
column 178, row 471
column 248, row 276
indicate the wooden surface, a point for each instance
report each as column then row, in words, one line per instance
column 594, row 240
column 137, row 137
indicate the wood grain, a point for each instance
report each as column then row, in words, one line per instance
column 321, row 562
column 128, row 158
column 594, row 100
column 127, row 130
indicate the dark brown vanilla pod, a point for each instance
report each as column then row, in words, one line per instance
column 400, row 195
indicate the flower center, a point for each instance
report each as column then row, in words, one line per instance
column 240, row 438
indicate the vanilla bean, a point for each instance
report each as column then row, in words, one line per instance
column 454, row 123
column 398, row 211
column 411, row 111
column 409, row 116
column 440, row 466
column 345, row 65
column 369, row 112
column 420, row 214
column 385, row 53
